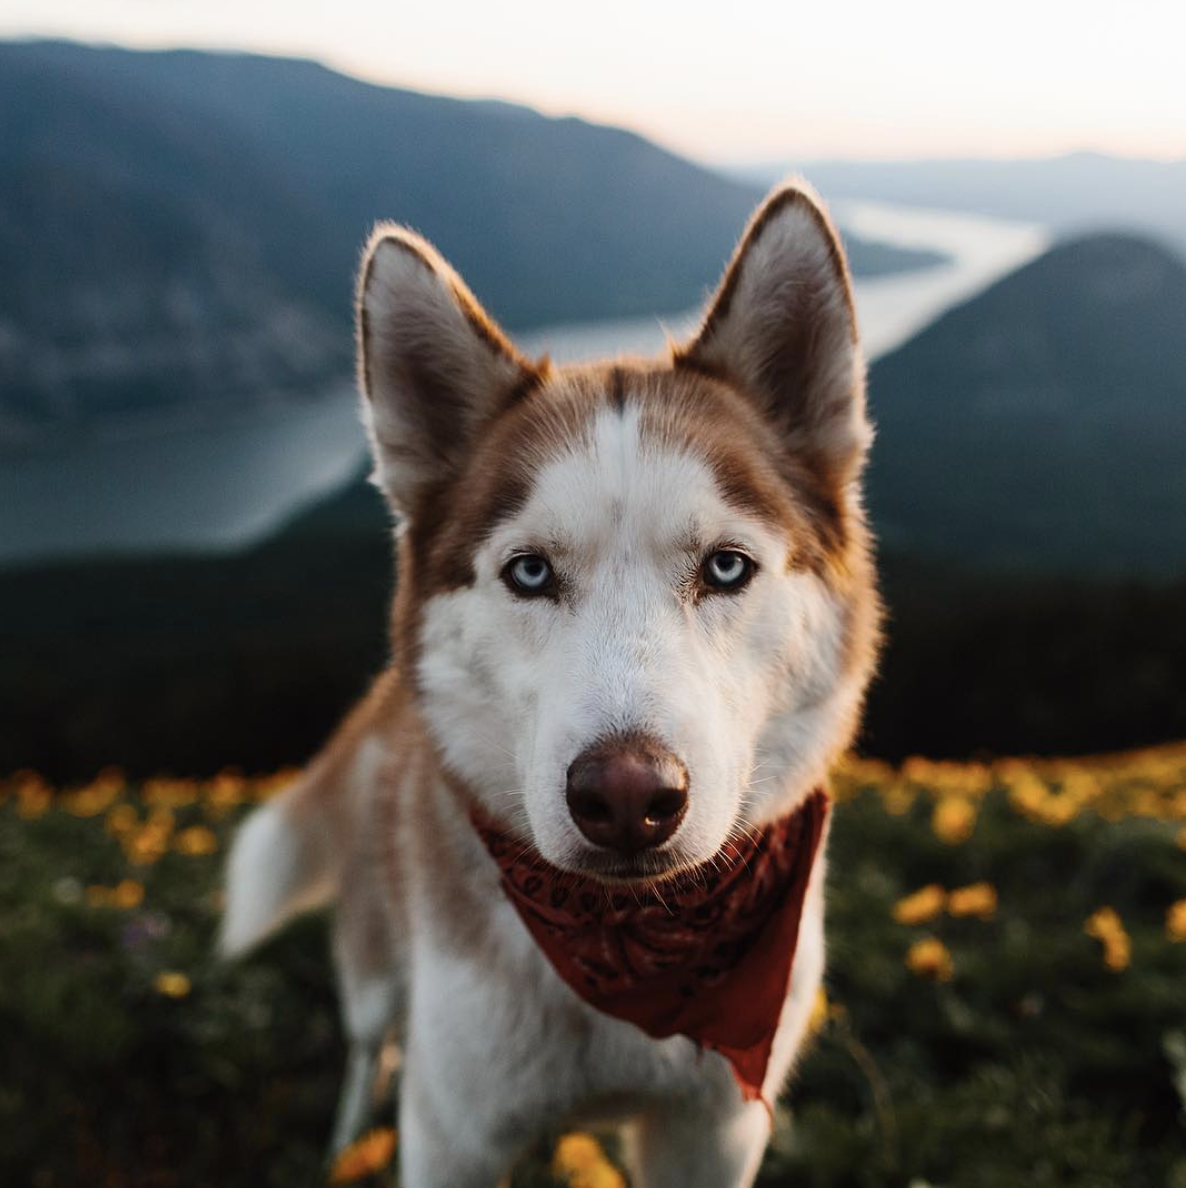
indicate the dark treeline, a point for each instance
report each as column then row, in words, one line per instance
column 188, row 665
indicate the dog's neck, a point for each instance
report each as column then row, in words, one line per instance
column 706, row 954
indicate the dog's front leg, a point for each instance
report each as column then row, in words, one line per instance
column 455, row 1151
column 717, row 1145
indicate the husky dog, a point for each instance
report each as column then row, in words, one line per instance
column 575, row 832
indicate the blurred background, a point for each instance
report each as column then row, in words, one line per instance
column 195, row 576
column 192, row 569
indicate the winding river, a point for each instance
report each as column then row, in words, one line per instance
column 225, row 485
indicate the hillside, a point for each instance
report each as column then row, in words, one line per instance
column 1040, row 425
column 181, row 229
column 1043, row 423
column 142, row 261
column 982, row 1027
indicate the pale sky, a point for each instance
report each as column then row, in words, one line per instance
column 732, row 80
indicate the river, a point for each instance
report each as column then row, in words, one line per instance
column 225, row 485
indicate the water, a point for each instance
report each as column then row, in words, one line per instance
column 211, row 486
column 890, row 309
column 227, row 484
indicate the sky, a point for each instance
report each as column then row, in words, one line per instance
column 732, row 81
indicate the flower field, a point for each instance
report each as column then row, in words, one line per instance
column 1006, row 998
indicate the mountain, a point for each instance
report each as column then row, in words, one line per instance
column 1028, row 484
column 1074, row 193
column 180, row 229
column 1043, row 423
column 142, row 259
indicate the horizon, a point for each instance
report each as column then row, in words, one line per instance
column 742, row 165
column 765, row 105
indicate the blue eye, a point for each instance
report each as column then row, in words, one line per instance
column 529, row 575
column 727, row 569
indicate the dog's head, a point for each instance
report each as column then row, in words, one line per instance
column 635, row 601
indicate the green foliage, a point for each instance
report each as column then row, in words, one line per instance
column 1034, row 1063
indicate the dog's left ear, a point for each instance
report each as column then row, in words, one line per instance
column 433, row 365
column 782, row 328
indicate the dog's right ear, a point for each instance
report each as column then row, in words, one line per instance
column 433, row 365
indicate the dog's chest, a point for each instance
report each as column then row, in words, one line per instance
column 504, row 1035
column 506, row 1030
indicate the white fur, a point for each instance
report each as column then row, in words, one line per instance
column 742, row 688
column 498, row 1052
column 274, row 872
column 750, row 691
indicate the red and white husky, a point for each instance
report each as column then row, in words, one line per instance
column 635, row 622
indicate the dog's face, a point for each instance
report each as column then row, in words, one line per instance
column 635, row 601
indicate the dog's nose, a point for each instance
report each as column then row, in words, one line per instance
column 627, row 797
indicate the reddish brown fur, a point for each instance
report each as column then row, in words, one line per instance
column 686, row 404
column 762, row 218
column 379, row 795
column 682, row 409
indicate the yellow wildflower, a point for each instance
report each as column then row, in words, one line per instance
column 97, row 796
column 581, row 1163
column 1027, row 793
column 33, row 795
column 1057, row 811
column 364, row 1157
column 1081, row 785
column 929, row 958
column 819, row 1011
column 970, row 780
column 149, row 843
column 1106, row 927
column 226, row 791
column 121, row 819
column 976, row 899
column 171, row 984
column 953, row 820
column 146, row 846
column 852, row 774
column 196, row 841
column 924, row 904
column 1030, row 795
column 1175, row 921
column 168, row 793
column 898, row 796
column 576, row 1152
column 1147, row 803
column 127, row 894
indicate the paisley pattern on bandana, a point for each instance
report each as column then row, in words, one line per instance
column 707, row 954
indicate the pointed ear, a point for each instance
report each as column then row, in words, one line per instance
column 782, row 328
column 433, row 366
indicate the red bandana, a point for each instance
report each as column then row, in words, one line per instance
column 708, row 956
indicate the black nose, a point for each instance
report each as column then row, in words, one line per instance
column 627, row 795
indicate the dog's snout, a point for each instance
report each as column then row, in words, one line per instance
column 627, row 797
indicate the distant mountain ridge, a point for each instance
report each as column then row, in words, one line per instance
column 1043, row 423
column 1076, row 193
column 180, row 229
column 1041, row 426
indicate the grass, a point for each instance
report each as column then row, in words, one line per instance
column 987, row 1020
